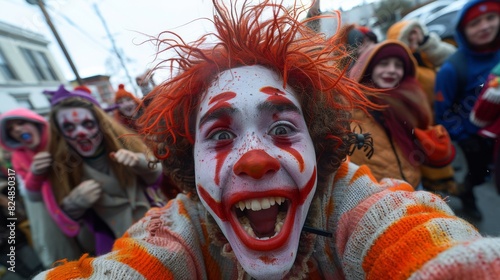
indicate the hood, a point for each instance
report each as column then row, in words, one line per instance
column 8, row 142
column 363, row 65
column 459, row 35
column 401, row 30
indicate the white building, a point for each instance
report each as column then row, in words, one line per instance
column 27, row 68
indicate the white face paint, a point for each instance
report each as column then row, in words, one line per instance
column 388, row 73
column 25, row 132
column 255, row 167
column 127, row 106
column 80, row 129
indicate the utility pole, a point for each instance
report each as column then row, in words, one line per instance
column 115, row 48
column 59, row 40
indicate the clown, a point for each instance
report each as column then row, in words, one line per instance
column 255, row 129
column 260, row 166
column 99, row 179
column 128, row 108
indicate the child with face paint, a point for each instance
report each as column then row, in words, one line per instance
column 99, row 173
column 255, row 128
column 128, row 108
column 390, row 67
column 26, row 134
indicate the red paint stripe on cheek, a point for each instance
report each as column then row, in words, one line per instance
column 286, row 146
column 220, row 158
column 297, row 156
column 212, row 204
column 306, row 190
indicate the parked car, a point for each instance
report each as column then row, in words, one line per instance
column 427, row 10
column 443, row 21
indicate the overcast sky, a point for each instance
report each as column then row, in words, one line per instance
column 86, row 40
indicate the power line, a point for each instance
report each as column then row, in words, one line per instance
column 115, row 48
column 76, row 26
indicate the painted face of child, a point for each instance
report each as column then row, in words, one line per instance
column 255, row 167
column 127, row 106
column 80, row 129
column 482, row 30
column 388, row 72
column 25, row 132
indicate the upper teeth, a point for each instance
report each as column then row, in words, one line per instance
column 259, row 204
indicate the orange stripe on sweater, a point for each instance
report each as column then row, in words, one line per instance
column 404, row 247
column 182, row 209
column 137, row 257
column 402, row 187
column 341, row 172
column 81, row 268
column 362, row 171
column 213, row 268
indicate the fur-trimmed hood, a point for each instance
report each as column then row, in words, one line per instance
column 401, row 30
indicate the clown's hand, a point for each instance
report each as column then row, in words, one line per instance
column 129, row 158
column 81, row 198
column 41, row 163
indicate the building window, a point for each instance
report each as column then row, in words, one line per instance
column 40, row 65
column 5, row 68
column 23, row 100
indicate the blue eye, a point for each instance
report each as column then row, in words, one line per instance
column 222, row 135
column 281, row 129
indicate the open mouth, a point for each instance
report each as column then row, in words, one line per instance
column 85, row 145
column 262, row 218
column 263, row 223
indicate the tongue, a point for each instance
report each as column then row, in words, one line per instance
column 263, row 221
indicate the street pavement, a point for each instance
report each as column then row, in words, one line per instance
column 488, row 201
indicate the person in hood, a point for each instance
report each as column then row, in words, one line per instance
column 26, row 134
column 128, row 108
column 427, row 48
column 255, row 128
column 478, row 38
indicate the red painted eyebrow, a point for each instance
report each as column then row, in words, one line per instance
column 275, row 102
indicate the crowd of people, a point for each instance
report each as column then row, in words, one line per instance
column 276, row 153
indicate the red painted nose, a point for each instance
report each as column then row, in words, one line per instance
column 256, row 163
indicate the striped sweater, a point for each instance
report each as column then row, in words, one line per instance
column 380, row 231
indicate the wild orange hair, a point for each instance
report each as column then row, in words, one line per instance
column 265, row 34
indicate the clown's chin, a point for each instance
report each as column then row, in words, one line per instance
column 263, row 236
column 268, row 273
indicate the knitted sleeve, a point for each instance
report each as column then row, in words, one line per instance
column 165, row 244
column 387, row 231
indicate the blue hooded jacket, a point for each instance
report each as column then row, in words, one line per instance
column 479, row 65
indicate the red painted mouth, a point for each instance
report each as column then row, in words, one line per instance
column 85, row 145
column 389, row 80
column 265, row 222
